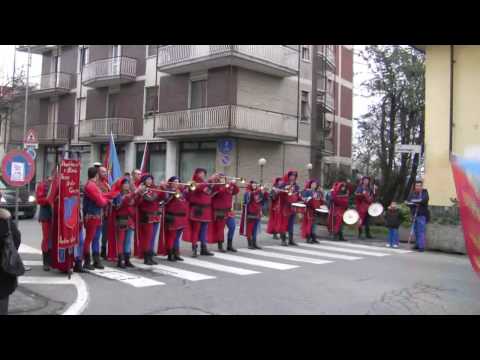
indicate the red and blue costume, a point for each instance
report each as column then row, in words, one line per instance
column 222, row 204
column 313, row 199
column 339, row 204
column 175, row 222
column 274, row 221
column 200, row 213
column 253, row 202
column 287, row 212
column 364, row 197
column 45, row 217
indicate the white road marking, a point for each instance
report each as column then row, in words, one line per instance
column 25, row 249
column 312, row 252
column 285, row 256
column 32, row 262
column 179, row 273
column 218, row 267
column 125, row 277
column 80, row 303
column 359, row 246
column 255, row 262
column 348, row 251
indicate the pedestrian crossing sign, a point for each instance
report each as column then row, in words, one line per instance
column 31, row 139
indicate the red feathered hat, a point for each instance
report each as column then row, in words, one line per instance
column 308, row 183
column 288, row 173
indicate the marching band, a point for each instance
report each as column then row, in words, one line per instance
column 136, row 211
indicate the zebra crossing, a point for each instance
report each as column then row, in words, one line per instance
column 245, row 262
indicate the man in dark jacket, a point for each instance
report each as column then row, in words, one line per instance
column 418, row 203
column 8, row 283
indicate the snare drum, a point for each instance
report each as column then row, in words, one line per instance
column 321, row 215
column 299, row 207
column 375, row 209
column 351, row 217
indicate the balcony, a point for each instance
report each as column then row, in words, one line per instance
column 54, row 84
column 227, row 120
column 326, row 102
column 48, row 134
column 99, row 130
column 36, row 49
column 327, row 53
column 109, row 72
column 276, row 60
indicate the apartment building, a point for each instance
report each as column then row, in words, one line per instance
column 221, row 107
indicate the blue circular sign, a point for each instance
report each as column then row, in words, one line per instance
column 225, row 146
column 18, row 168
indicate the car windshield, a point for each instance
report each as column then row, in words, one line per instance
column 3, row 186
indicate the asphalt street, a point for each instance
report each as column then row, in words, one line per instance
column 331, row 278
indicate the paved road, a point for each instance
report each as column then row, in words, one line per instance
column 330, row 278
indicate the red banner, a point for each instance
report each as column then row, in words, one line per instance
column 469, row 205
column 69, row 204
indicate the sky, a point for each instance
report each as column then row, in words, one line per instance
column 360, row 69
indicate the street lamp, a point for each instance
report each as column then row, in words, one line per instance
column 261, row 163
column 309, row 168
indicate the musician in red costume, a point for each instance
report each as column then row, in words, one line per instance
column 339, row 204
column 222, row 203
column 288, row 195
column 45, row 217
column 124, row 210
column 175, row 219
column 273, row 226
column 200, row 214
column 364, row 197
column 253, row 201
column 107, row 211
column 149, row 217
column 312, row 196
column 135, row 184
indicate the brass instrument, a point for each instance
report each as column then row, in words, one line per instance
column 241, row 179
column 157, row 189
column 191, row 184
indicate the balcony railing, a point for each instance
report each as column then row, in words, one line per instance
column 47, row 133
column 51, row 84
column 227, row 119
column 327, row 52
column 274, row 59
column 100, row 129
column 326, row 101
column 110, row 71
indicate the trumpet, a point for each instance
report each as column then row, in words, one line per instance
column 241, row 179
column 289, row 191
column 156, row 189
column 191, row 184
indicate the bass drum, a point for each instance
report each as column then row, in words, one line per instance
column 300, row 209
column 351, row 217
column 375, row 209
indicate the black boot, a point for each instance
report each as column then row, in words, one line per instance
column 194, row 251
column 146, row 259
column 46, row 261
column 151, row 258
column 176, row 254
column 255, row 246
column 290, row 240
column 314, row 238
column 97, row 263
column 340, row 236
column 360, row 233
column 284, row 239
column 367, row 233
column 170, row 257
column 103, row 253
column 127, row 261
column 230, row 245
column 87, row 264
column 204, row 251
column 275, row 236
column 309, row 239
column 220, row 247
column 78, row 268
column 250, row 244
column 120, row 262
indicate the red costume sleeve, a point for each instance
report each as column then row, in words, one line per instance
column 94, row 193
column 41, row 195
column 235, row 189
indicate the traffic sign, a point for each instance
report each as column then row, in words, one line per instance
column 32, row 152
column 31, row 138
column 225, row 146
column 407, row 148
column 18, row 168
column 226, row 160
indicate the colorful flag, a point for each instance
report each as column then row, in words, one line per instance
column 466, row 174
column 143, row 167
column 69, row 207
column 114, row 170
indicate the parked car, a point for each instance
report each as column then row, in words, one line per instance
column 27, row 204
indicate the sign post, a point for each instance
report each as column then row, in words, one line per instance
column 18, row 169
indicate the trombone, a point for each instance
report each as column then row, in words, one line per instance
column 176, row 193
column 191, row 184
column 241, row 179
column 288, row 191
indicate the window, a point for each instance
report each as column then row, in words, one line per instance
column 197, row 154
column 52, row 112
column 152, row 50
column 151, row 99
column 198, row 94
column 306, row 52
column 84, row 55
column 305, row 108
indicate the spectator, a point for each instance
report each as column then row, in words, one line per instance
column 418, row 203
column 8, row 283
column 393, row 219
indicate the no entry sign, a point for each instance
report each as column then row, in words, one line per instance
column 18, row 168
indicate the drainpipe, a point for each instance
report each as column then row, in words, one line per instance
column 298, row 90
column 452, row 62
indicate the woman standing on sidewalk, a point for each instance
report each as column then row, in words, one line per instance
column 8, row 283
